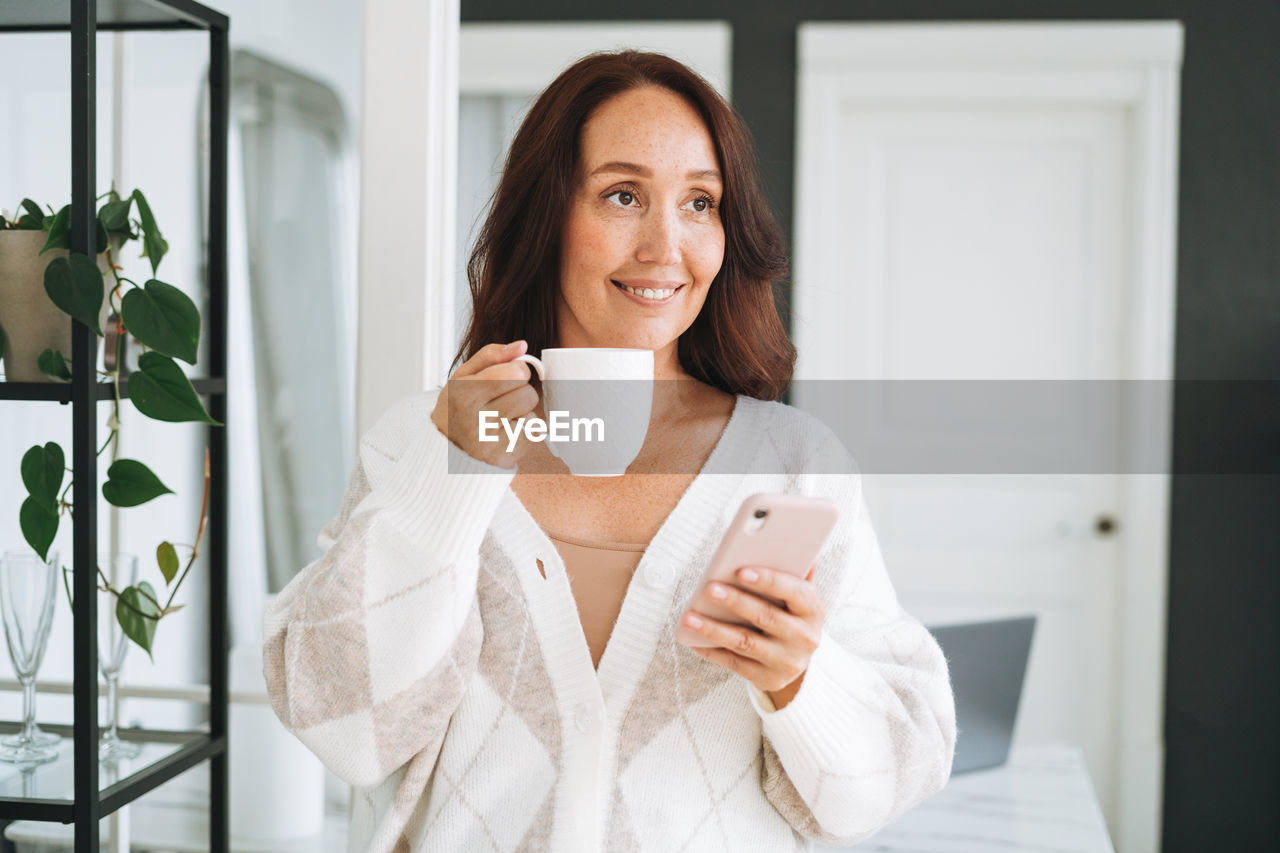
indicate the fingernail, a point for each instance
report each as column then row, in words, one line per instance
column 749, row 575
column 718, row 592
column 693, row 621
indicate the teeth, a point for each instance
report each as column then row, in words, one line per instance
column 647, row 293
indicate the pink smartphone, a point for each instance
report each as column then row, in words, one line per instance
column 777, row 531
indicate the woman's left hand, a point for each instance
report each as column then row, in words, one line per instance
column 775, row 657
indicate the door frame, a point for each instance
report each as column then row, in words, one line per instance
column 521, row 59
column 408, row 157
column 1136, row 65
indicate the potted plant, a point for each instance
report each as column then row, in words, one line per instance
column 31, row 322
column 165, row 323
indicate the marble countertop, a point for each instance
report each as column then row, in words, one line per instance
column 1041, row 800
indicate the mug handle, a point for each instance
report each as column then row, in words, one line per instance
column 537, row 364
column 542, row 375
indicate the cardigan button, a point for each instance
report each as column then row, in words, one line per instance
column 659, row 575
column 582, row 717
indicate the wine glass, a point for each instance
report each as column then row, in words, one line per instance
column 36, row 737
column 112, row 645
column 39, row 737
column 27, row 585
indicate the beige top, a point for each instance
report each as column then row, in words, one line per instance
column 599, row 573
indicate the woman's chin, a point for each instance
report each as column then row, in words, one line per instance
column 656, row 342
column 652, row 333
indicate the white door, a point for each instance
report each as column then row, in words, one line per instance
column 992, row 202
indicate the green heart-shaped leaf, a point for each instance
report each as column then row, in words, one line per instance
column 159, row 389
column 167, row 560
column 39, row 525
column 138, row 613
column 52, row 365
column 75, row 285
column 59, row 230
column 42, row 472
column 153, row 243
column 130, row 483
column 34, row 213
column 114, row 215
column 164, row 318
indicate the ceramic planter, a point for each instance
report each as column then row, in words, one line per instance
column 31, row 321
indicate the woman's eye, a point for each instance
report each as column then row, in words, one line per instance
column 624, row 197
column 701, row 204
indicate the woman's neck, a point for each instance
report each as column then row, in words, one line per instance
column 666, row 364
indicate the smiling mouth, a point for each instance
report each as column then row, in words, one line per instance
column 648, row 294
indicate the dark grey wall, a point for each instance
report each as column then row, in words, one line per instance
column 1222, row 730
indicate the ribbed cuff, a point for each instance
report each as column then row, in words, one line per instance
column 444, row 497
column 834, row 692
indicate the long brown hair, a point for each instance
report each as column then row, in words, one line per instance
column 737, row 343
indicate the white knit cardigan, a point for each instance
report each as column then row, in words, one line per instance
column 429, row 663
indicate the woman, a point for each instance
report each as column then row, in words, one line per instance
column 486, row 650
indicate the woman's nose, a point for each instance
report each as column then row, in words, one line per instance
column 659, row 238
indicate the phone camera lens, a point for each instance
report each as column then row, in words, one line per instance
column 762, row 512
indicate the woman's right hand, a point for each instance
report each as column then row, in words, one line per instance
column 492, row 381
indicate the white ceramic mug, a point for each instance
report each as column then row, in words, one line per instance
column 603, row 396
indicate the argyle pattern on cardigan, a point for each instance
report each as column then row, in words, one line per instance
column 413, row 660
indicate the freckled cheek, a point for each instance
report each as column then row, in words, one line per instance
column 581, row 262
column 594, row 249
column 704, row 255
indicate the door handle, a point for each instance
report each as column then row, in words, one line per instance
column 1102, row 526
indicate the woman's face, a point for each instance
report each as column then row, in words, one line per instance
column 643, row 239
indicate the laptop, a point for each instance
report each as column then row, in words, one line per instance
column 987, row 662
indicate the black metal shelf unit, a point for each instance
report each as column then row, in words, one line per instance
column 82, row 19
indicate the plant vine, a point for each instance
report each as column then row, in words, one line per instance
column 167, row 326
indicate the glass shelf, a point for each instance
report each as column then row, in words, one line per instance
column 55, row 15
column 44, row 791
column 60, row 392
column 175, row 818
